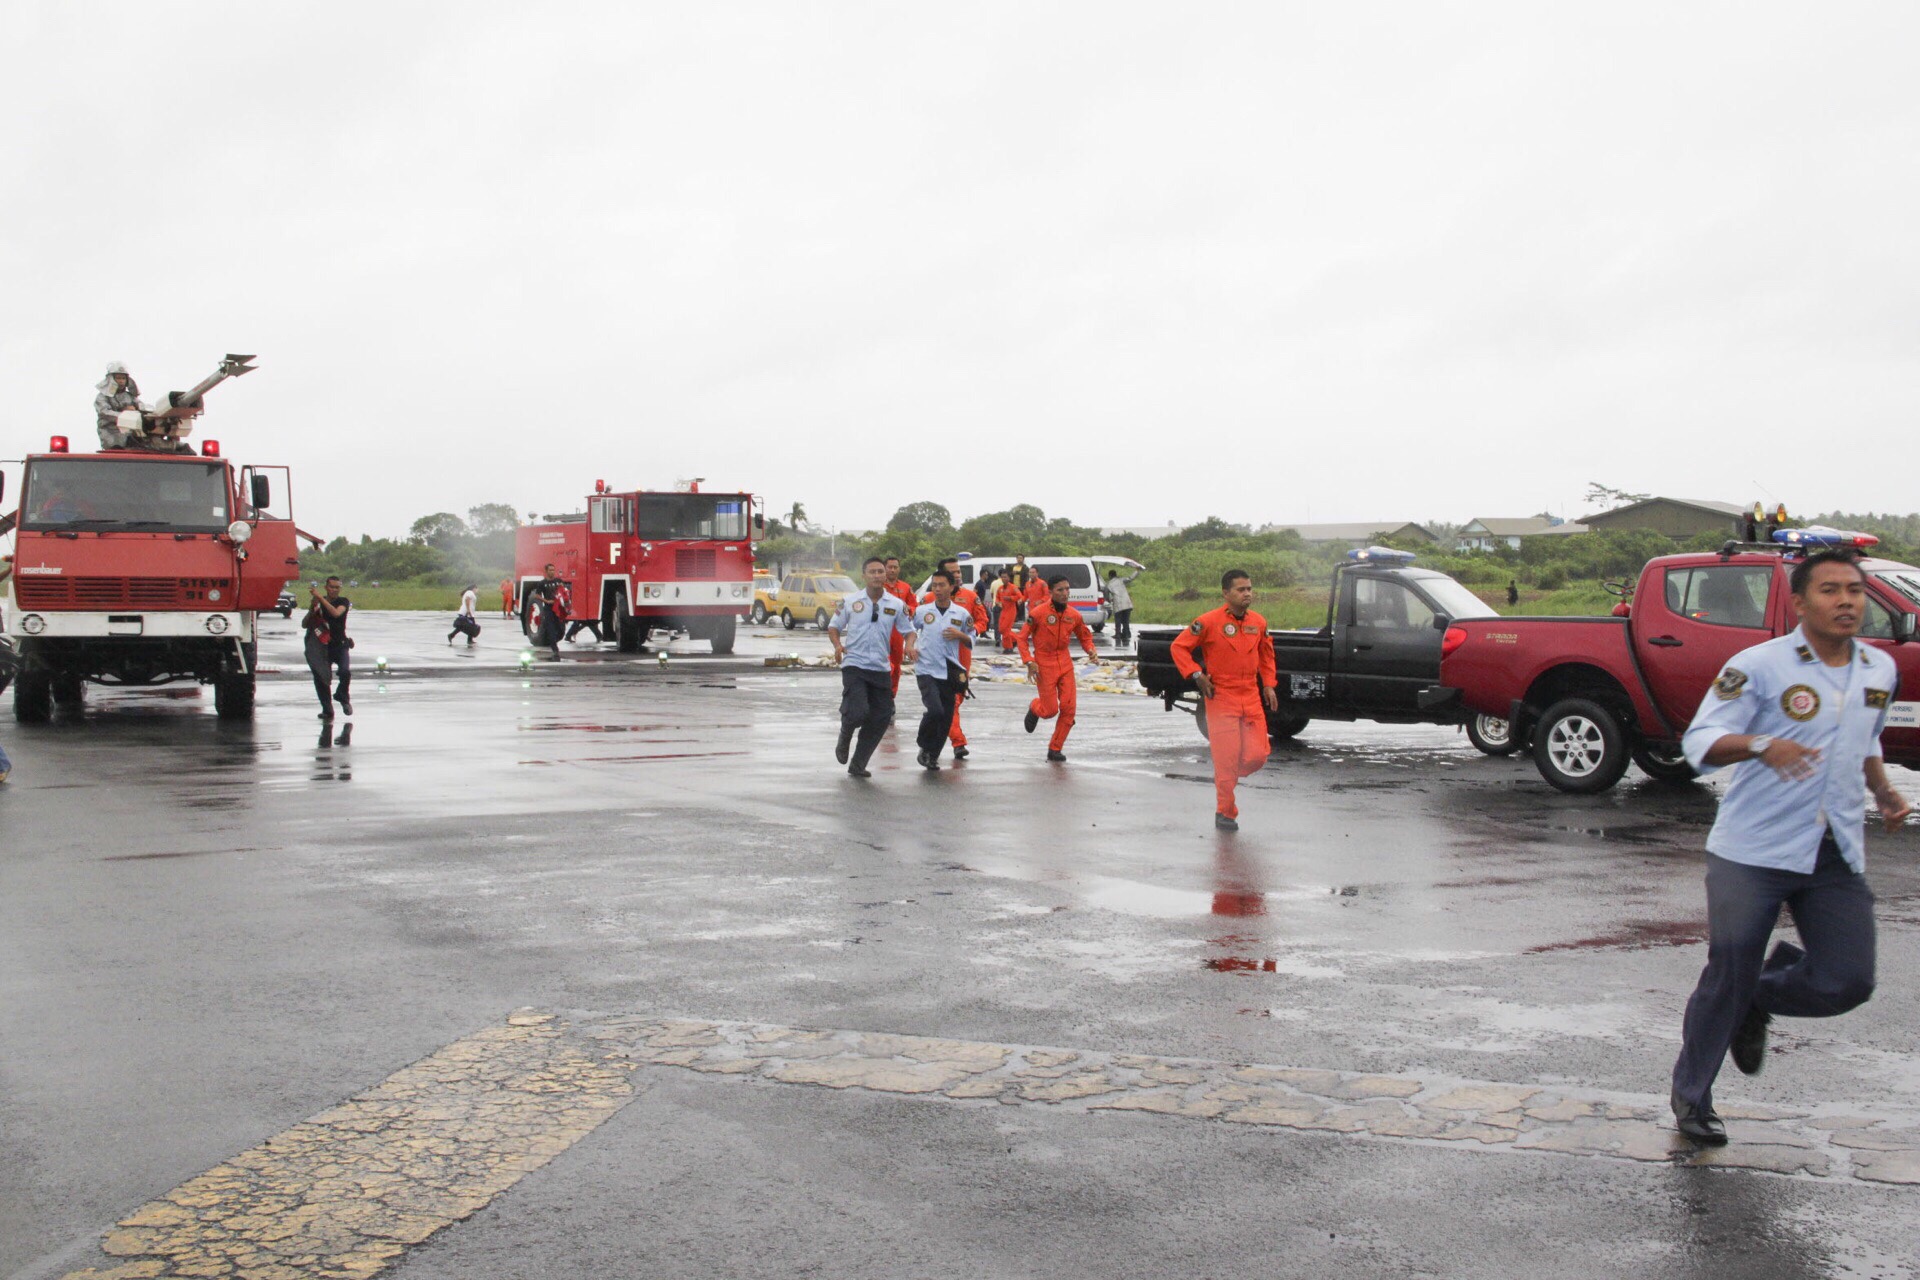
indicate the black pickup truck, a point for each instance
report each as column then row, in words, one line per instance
column 1379, row 648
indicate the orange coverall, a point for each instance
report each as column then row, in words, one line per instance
column 964, row 597
column 1050, row 632
column 506, row 597
column 1009, row 601
column 897, row 643
column 1238, row 657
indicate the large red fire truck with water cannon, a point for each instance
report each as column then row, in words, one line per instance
column 146, row 564
column 645, row 561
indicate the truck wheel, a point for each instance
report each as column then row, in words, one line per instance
column 820, row 619
column 233, row 696
column 69, row 691
column 1664, row 762
column 33, row 697
column 526, row 619
column 1281, row 726
column 1579, row 746
column 759, row 614
column 1200, row 720
column 786, row 619
column 722, row 633
column 632, row 633
column 1492, row 736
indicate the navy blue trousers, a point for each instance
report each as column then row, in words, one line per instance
column 866, row 706
column 1832, row 910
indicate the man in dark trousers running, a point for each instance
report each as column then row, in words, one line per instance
column 1798, row 718
column 862, row 634
column 944, row 626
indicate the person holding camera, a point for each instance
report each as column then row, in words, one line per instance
column 328, row 646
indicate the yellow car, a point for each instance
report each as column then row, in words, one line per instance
column 764, row 585
column 807, row 597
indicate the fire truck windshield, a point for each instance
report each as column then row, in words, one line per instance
column 98, row 493
column 664, row 517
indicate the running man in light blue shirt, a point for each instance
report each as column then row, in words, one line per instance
column 1799, row 719
column 944, row 626
column 860, row 632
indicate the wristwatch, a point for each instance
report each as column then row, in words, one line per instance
column 1758, row 744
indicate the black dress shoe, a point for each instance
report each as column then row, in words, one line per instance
column 844, row 745
column 1749, row 1046
column 1057, row 757
column 1033, row 718
column 960, row 753
column 927, row 761
column 856, row 771
column 1698, row 1123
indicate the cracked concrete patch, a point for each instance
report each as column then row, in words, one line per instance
column 344, row 1194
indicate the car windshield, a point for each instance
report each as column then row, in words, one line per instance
column 667, row 516
column 105, row 494
column 1455, row 600
column 1904, row 581
column 834, row 584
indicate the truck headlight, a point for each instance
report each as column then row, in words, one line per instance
column 217, row 624
column 33, row 624
column 239, row 531
column 739, row 591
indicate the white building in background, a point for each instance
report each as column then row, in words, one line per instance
column 1488, row 533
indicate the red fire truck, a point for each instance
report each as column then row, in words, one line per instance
column 647, row 560
column 137, row 567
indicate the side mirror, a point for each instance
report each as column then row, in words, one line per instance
column 759, row 524
column 1441, row 622
column 262, row 493
column 1903, row 625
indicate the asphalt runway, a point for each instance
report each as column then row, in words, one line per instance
column 1007, row 1019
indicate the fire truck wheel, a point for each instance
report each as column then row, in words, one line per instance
column 33, row 697
column 233, row 697
column 722, row 633
column 759, row 614
column 526, row 619
column 786, row 619
column 69, row 691
column 1580, row 747
column 632, row 633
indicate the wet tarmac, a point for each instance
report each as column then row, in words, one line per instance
column 210, row 932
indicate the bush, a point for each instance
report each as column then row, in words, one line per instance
column 1552, row 578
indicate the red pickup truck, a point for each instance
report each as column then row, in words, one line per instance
column 1592, row 694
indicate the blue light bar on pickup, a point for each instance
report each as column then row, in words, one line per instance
column 1379, row 555
column 1818, row 535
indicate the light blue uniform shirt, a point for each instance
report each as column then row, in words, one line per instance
column 865, row 626
column 936, row 651
column 1781, row 688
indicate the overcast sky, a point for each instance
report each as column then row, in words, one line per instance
column 1130, row 263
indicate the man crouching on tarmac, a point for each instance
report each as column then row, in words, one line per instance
column 1799, row 719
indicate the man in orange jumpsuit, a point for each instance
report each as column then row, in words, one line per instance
column 506, row 597
column 966, row 599
column 1046, row 647
column 1227, row 654
column 1009, row 600
column 897, row 645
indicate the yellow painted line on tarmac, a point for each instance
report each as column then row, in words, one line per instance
column 345, row 1193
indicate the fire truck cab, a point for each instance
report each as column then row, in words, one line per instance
column 142, row 568
column 647, row 560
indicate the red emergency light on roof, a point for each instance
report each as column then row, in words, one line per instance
column 599, row 486
column 209, row 448
column 57, row 445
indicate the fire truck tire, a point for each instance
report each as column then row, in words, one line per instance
column 722, row 633
column 786, row 619
column 632, row 633
column 69, row 691
column 233, row 697
column 526, row 619
column 759, row 614
column 1579, row 746
column 33, row 697
column 1492, row 736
